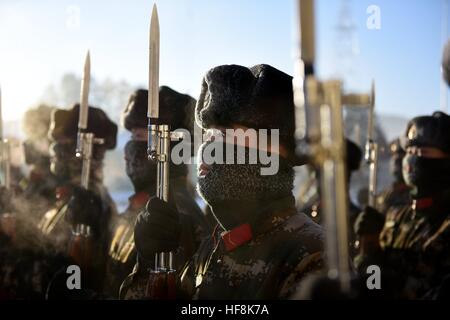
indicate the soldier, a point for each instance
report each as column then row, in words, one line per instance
column 74, row 205
column 32, row 270
column 413, row 246
column 398, row 193
column 178, row 110
column 67, row 169
column 34, row 194
column 262, row 247
column 38, row 188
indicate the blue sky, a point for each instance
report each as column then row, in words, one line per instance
column 38, row 44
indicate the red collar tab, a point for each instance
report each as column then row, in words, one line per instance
column 62, row 192
column 237, row 236
column 139, row 200
column 423, row 203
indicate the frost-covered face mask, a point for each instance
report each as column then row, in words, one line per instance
column 243, row 182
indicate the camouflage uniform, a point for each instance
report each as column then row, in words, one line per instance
column 415, row 239
column 285, row 247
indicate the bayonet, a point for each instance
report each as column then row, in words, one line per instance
column 85, row 139
column 371, row 150
column 159, row 138
column 153, row 72
column 84, row 149
column 84, row 94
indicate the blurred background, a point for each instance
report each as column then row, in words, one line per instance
column 398, row 44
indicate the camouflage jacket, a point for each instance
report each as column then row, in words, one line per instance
column 264, row 260
column 416, row 241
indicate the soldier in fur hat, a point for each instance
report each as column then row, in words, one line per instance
column 261, row 247
column 67, row 169
column 72, row 205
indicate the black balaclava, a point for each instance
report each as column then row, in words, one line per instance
column 426, row 176
column 140, row 170
column 33, row 156
column 67, row 167
column 233, row 190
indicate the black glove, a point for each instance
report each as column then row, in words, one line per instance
column 157, row 229
column 85, row 207
column 369, row 221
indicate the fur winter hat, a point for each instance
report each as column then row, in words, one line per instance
column 175, row 109
column 259, row 97
column 64, row 125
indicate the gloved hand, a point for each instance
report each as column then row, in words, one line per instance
column 85, row 207
column 157, row 229
column 369, row 221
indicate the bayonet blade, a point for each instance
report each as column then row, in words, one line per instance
column 84, row 94
column 307, row 34
column 370, row 125
column 153, row 72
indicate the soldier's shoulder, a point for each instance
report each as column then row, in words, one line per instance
column 303, row 231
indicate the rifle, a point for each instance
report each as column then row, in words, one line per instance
column 161, row 283
column 371, row 151
column 81, row 243
column 320, row 135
